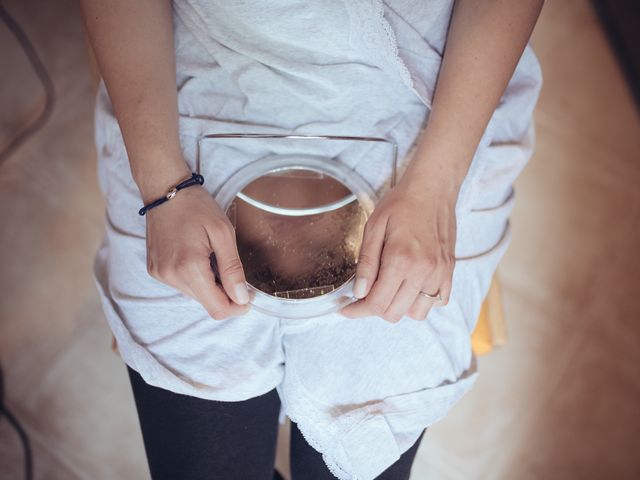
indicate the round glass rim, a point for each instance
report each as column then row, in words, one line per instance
column 350, row 178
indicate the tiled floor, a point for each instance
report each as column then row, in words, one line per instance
column 559, row 401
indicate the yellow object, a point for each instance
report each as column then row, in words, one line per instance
column 490, row 331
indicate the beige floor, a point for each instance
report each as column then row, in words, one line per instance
column 559, row 401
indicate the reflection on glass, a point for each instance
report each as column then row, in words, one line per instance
column 298, row 232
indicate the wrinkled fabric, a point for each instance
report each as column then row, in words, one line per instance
column 361, row 390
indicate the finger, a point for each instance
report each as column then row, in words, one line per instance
column 211, row 296
column 402, row 301
column 422, row 304
column 420, row 308
column 369, row 257
column 227, row 259
column 430, row 286
column 445, row 290
column 379, row 298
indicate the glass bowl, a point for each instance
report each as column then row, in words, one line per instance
column 299, row 222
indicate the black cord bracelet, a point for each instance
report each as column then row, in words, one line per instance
column 196, row 179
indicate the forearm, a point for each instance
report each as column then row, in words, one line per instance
column 486, row 39
column 133, row 44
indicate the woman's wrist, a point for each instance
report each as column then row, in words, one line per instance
column 438, row 166
column 432, row 180
column 154, row 179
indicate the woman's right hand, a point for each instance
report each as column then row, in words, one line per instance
column 181, row 236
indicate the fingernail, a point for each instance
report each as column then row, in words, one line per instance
column 360, row 287
column 242, row 293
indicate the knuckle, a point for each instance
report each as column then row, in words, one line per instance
column 164, row 272
column 232, row 266
column 397, row 266
column 219, row 222
column 450, row 259
column 184, row 264
column 366, row 259
column 222, row 226
column 404, row 257
column 430, row 261
column 371, row 225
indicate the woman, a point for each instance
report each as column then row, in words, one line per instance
column 210, row 376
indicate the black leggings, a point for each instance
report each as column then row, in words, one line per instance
column 191, row 438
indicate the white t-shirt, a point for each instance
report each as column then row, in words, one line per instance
column 361, row 390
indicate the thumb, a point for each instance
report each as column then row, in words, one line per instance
column 226, row 262
column 369, row 257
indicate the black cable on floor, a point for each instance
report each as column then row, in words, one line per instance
column 25, row 133
column 24, row 438
column 18, row 139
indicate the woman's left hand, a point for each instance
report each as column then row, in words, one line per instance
column 408, row 247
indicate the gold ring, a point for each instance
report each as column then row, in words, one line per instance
column 436, row 296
